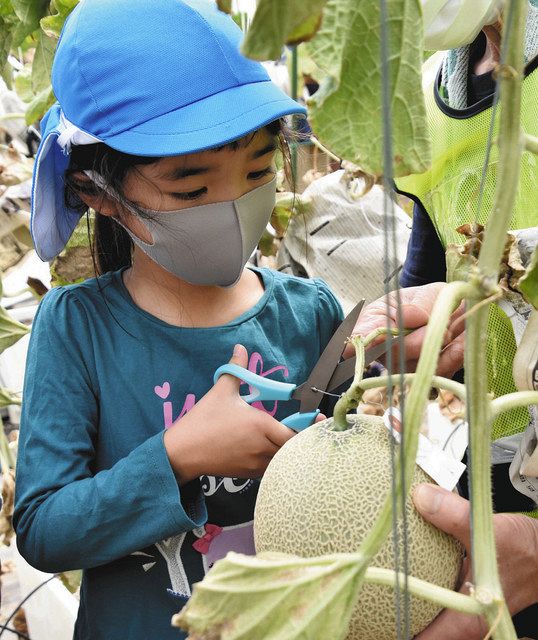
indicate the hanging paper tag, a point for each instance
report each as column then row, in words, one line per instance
column 438, row 464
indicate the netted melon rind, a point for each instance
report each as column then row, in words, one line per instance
column 311, row 502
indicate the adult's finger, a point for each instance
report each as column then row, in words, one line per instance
column 451, row 358
column 418, row 302
column 453, row 625
column 445, row 510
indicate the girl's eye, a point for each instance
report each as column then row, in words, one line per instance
column 256, row 175
column 190, row 195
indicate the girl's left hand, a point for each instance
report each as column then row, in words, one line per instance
column 516, row 538
column 416, row 306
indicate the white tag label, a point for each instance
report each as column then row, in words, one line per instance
column 438, row 464
column 524, row 467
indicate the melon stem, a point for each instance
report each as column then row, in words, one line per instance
column 437, row 382
column 513, row 401
column 425, row 590
column 479, row 406
column 350, row 400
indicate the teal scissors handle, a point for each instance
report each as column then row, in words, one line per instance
column 268, row 389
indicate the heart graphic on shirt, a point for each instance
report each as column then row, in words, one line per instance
column 163, row 391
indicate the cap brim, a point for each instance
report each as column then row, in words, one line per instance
column 207, row 123
column 52, row 228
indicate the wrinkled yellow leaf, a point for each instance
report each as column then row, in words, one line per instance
column 274, row 596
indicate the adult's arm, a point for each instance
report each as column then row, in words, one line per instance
column 425, row 260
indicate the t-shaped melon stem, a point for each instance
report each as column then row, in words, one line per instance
column 349, row 400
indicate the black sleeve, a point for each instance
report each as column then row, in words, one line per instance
column 425, row 261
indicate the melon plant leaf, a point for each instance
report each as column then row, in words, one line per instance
column 71, row 579
column 274, row 595
column 528, row 284
column 268, row 244
column 22, row 234
column 225, row 6
column 23, row 84
column 52, row 25
column 42, row 65
column 10, row 330
column 8, row 398
column 6, row 38
column 345, row 113
column 39, row 105
column 29, row 12
column 5, row 7
column 287, row 205
column 74, row 263
column 458, row 265
column 279, row 22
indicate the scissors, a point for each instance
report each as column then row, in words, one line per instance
column 328, row 374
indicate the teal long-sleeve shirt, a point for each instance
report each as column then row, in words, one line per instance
column 95, row 489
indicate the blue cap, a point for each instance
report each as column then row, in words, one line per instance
column 159, row 78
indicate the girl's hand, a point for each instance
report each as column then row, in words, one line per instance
column 222, row 435
column 416, row 306
column 516, row 537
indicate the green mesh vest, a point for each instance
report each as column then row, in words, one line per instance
column 449, row 193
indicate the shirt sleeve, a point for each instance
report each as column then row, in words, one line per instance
column 67, row 515
column 425, row 261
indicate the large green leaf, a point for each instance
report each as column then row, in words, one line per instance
column 225, row 6
column 23, row 84
column 75, row 262
column 42, row 65
column 52, row 25
column 279, row 22
column 5, row 7
column 276, row 596
column 528, row 285
column 10, row 330
column 6, row 38
column 38, row 106
column 29, row 13
column 346, row 112
column 71, row 579
column 8, row 398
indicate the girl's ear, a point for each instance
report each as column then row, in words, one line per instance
column 100, row 202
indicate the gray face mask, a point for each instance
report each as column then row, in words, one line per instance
column 208, row 244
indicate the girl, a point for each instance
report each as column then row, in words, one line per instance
column 132, row 465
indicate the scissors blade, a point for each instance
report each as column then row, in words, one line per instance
column 346, row 370
column 325, row 366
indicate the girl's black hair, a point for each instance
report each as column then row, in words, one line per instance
column 111, row 245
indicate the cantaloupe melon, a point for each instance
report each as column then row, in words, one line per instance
column 321, row 494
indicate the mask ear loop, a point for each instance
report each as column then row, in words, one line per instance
column 100, row 182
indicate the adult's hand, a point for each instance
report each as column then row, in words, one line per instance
column 516, row 538
column 416, row 307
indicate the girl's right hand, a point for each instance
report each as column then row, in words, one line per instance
column 224, row 436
